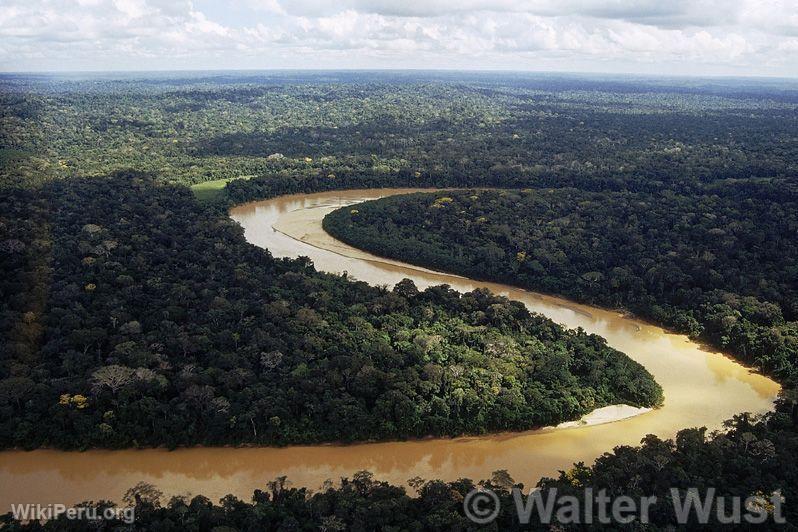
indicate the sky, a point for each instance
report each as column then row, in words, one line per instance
column 669, row 37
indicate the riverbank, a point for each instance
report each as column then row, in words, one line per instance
column 702, row 388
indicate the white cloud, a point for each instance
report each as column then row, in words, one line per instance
column 681, row 36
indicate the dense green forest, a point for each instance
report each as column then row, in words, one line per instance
column 720, row 266
column 133, row 316
column 462, row 129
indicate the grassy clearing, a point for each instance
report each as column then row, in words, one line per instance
column 210, row 190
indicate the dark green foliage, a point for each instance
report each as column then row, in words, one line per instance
column 182, row 296
column 132, row 316
column 750, row 457
column 457, row 128
column 720, row 266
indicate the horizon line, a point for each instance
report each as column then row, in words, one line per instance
column 396, row 70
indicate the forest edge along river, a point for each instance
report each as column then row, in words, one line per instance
column 702, row 388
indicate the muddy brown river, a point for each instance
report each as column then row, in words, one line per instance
column 702, row 388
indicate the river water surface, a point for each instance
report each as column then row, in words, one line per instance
column 702, row 388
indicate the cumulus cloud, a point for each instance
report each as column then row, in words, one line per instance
column 680, row 36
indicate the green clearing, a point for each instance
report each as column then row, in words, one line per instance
column 210, row 190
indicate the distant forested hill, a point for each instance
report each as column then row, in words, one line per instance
column 722, row 266
column 132, row 316
column 469, row 129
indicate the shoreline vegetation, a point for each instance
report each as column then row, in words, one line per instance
column 621, row 311
column 599, row 416
column 238, row 347
column 363, row 502
column 544, row 248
